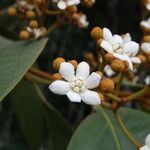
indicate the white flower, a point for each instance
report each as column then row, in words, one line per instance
column 121, row 48
column 147, row 143
column 63, row 4
column 148, row 5
column 109, row 72
column 145, row 23
column 36, row 32
column 83, row 21
column 24, row 6
column 147, row 80
column 77, row 86
column 146, row 47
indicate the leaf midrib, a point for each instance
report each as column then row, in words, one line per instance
column 111, row 127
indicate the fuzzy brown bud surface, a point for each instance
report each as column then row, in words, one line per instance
column 107, row 85
column 57, row 62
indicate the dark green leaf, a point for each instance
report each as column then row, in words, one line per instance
column 100, row 131
column 15, row 59
column 30, row 112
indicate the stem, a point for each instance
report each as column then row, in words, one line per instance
column 113, row 97
column 29, row 76
column 49, row 12
column 126, row 131
column 138, row 94
column 121, row 76
column 53, row 27
column 40, row 73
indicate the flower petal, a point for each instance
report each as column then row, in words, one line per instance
column 67, row 71
column 126, row 38
column 93, row 80
column 145, row 147
column 131, row 48
column 109, row 72
column 107, row 35
column 147, row 141
column 117, row 39
column 90, row 97
column 83, row 70
column 145, row 47
column 73, row 96
column 135, row 60
column 59, row 87
column 106, row 46
column 62, row 5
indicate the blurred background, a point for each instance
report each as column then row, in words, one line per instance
column 69, row 42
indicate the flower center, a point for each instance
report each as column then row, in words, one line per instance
column 117, row 48
column 78, row 85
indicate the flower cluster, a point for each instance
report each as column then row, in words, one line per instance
column 35, row 12
column 120, row 52
column 63, row 4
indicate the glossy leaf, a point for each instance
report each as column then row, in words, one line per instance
column 100, row 131
column 15, row 59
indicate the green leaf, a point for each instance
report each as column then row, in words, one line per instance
column 30, row 111
column 34, row 118
column 15, row 59
column 58, row 129
column 100, row 130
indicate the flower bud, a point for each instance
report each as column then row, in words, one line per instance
column 88, row 3
column 100, row 73
column 24, row 35
column 57, row 62
column 126, row 64
column 117, row 65
column 96, row 33
column 12, row 11
column 74, row 63
column 72, row 9
column 33, row 24
column 30, row 14
column 142, row 58
column 109, row 57
column 57, row 76
column 107, row 85
column 101, row 96
column 146, row 38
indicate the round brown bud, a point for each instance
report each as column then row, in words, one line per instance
column 12, row 11
column 30, row 14
column 146, row 38
column 74, row 63
column 126, row 64
column 39, row 2
column 33, row 24
column 89, row 56
column 96, row 33
column 117, row 65
column 57, row 62
column 72, row 9
column 107, row 85
column 101, row 96
column 142, row 58
column 98, row 44
column 24, row 35
column 57, row 76
column 88, row 3
column 100, row 73
column 75, row 17
column 109, row 57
